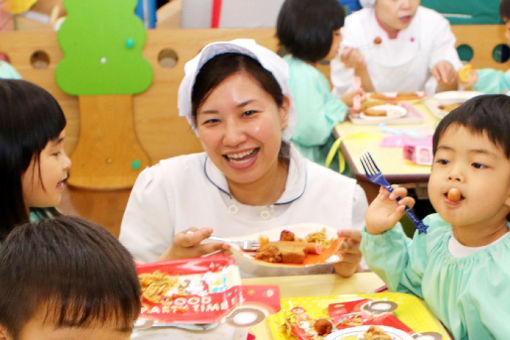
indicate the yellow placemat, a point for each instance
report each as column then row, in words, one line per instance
column 410, row 311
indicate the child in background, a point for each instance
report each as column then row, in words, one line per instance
column 310, row 31
column 66, row 278
column 488, row 80
column 33, row 163
column 460, row 266
column 6, row 69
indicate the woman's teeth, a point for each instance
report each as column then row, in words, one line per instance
column 237, row 157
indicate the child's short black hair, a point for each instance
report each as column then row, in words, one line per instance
column 485, row 113
column 74, row 271
column 305, row 27
column 504, row 9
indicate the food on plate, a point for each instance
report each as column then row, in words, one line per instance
column 291, row 249
column 369, row 102
column 449, row 107
column 466, row 72
column 376, row 333
column 287, row 235
column 323, row 326
column 400, row 96
column 454, row 194
column 156, row 286
column 320, row 237
column 287, row 251
column 375, row 113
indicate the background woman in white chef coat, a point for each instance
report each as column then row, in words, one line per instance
column 249, row 179
column 396, row 45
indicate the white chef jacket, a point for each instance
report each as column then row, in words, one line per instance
column 190, row 191
column 400, row 64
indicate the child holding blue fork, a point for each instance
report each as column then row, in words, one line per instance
column 460, row 265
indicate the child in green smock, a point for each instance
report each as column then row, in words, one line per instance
column 488, row 80
column 310, row 31
column 460, row 266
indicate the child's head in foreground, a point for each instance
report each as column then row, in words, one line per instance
column 310, row 29
column 469, row 183
column 66, row 279
column 33, row 163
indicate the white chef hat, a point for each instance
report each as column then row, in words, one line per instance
column 267, row 58
column 367, row 3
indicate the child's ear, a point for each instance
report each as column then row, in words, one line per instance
column 4, row 334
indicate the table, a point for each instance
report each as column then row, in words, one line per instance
column 358, row 139
column 315, row 285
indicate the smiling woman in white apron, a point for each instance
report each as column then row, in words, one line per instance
column 396, row 46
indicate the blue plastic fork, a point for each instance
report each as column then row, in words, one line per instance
column 375, row 176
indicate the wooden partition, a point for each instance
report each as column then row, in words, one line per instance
column 160, row 130
column 483, row 39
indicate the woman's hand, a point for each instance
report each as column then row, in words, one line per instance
column 384, row 211
column 351, row 254
column 352, row 58
column 187, row 244
column 445, row 75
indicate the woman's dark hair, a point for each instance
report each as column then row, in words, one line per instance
column 482, row 114
column 29, row 118
column 504, row 9
column 305, row 27
column 222, row 66
column 74, row 271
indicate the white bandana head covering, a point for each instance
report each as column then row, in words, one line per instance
column 367, row 3
column 267, row 58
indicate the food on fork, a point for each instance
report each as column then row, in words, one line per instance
column 466, row 72
column 454, row 194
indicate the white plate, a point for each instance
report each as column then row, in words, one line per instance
column 453, row 97
column 392, row 112
column 394, row 333
column 447, row 98
column 249, row 266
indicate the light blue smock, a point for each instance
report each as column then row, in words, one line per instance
column 318, row 110
column 492, row 81
column 7, row 71
column 470, row 295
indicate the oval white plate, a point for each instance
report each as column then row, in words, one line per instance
column 452, row 97
column 394, row 333
column 392, row 112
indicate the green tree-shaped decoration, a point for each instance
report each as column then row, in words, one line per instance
column 103, row 64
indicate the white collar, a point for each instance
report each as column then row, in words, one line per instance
column 458, row 250
column 294, row 187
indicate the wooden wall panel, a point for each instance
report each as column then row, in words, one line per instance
column 160, row 130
